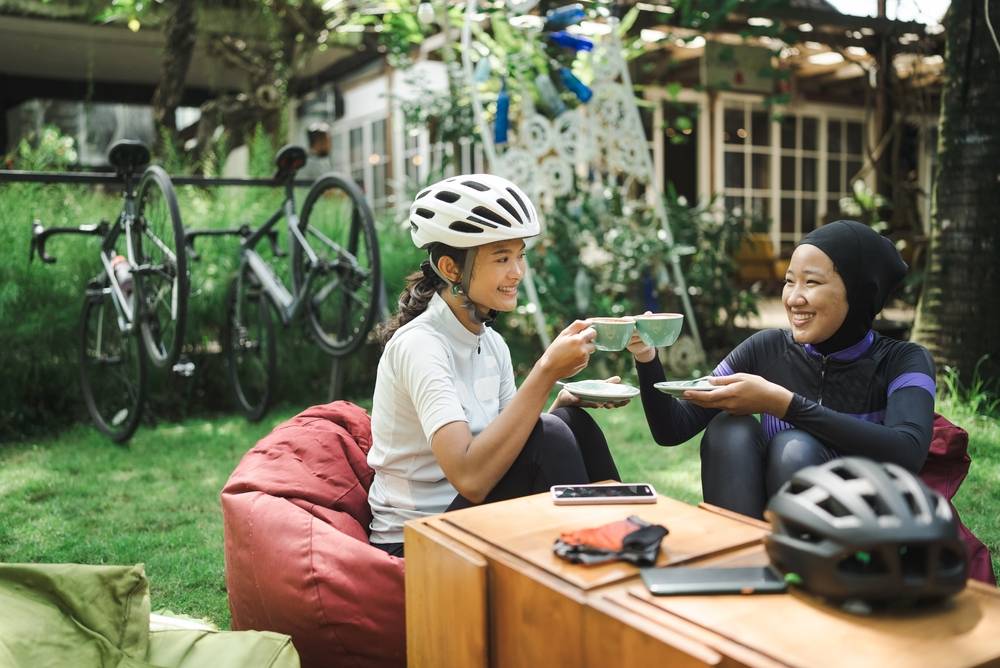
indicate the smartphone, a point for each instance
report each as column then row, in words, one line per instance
column 680, row 580
column 577, row 494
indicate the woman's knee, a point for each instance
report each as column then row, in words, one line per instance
column 728, row 434
column 551, row 437
column 788, row 452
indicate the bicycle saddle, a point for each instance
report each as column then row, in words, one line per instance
column 290, row 159
column 128, row 155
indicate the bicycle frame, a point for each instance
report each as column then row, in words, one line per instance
column 288, row 305
column 125, row 305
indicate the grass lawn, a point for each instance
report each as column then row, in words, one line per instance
column 78, row 498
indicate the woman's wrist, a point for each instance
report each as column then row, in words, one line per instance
column 644, row 356
column 782, row 399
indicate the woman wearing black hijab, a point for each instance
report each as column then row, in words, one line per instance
column 831, row 386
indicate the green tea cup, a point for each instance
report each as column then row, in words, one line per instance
column 659, row 329
column 612, row 333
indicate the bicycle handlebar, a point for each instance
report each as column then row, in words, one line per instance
column 39, row 235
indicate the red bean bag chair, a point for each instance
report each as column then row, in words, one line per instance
column 947, row 465
column 298, row 561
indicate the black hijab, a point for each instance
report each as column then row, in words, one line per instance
column 870, row 267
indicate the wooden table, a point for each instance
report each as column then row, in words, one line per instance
column 483, row 588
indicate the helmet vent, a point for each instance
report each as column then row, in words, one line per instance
column 863, row 563
column 480, row 221
column 422, row 194
column 800, row 532
column 462, row 226
column 843, row 472
column 425, row 213
column 517, row 198
column 796, row 487
column 476, row 185
column 950, row 559
column 489, row 215
column 447, row 196
column 913, row 561
column 834, row 507
column 510, row 209
column 877, row 505
column 911, row 502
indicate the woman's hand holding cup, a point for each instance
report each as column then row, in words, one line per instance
column 570, row 352
column 641, row 351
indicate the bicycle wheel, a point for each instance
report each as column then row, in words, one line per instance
column 112, row 366
column 249, row 343
column 162, row 278
column 339, row 225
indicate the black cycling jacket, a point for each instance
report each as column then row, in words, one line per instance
column 874, row 399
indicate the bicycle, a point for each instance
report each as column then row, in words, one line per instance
column 147, row 286
column 335, row 268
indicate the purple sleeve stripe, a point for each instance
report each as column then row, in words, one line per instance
column 913, row 379
column 723, row 369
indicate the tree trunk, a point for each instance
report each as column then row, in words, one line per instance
column 180, row 35
column 958, row 318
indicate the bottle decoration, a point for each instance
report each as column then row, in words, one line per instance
column 568, row 41
column 502, row 118
column 548, row 95
column 577, row 87
column 563, row 17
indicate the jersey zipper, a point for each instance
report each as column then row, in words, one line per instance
column 822, row 380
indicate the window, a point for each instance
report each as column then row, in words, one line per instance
column 357, row 155
column 843, row 162
column 799, row 190
column 791, row 171
column 413, row 158
column 746, row 159
column 378, row 159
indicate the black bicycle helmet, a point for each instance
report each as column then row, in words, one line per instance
column 854, row 529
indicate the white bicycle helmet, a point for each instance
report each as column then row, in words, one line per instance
column 466, row 212
column 472, row 210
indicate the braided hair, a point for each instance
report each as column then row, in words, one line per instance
column 420, row 288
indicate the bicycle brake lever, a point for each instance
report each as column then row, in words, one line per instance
column 38, row 244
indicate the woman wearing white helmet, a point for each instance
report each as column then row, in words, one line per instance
column 449, row 427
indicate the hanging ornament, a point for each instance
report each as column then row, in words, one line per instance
column 503, row 113
column 548, row 95
column 577, row 87
column 482, row 72
column 568, row 41
column 563, row 17
column 425, row 13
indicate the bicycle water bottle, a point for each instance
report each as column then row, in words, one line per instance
column 562, row 17
column 580, row 89
column 123, row 274
column 503, row 111
column 568, row 41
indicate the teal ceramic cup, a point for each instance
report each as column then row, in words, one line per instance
column 612, row 333
column 659, row 329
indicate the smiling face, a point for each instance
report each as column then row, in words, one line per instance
column 498, row 270
column 814, row 295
